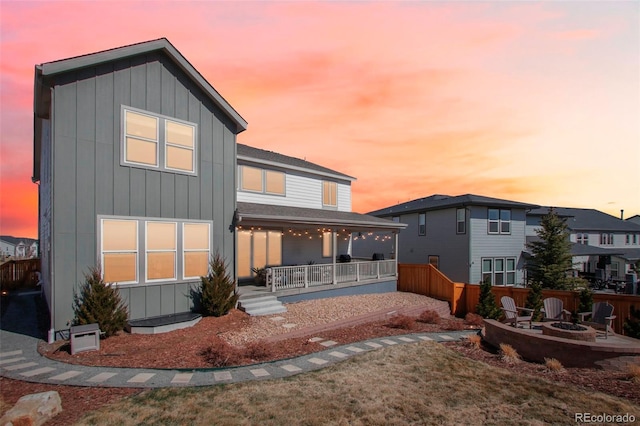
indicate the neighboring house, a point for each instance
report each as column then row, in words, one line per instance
column 634, row 219
column 467, row 237
column 18, row 248
column 600, row 242
column 135, row 156
column 295, row 218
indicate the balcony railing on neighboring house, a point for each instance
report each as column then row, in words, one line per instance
column 305, row 276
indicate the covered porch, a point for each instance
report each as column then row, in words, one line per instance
column 292, row 250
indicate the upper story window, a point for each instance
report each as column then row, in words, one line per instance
column 582, row 238
column 499, row 221
column 461, row 221
column 628, row 239
column 158, row 142
column 606, row 239
column 422, row 224
column 258, row 180
column 329, row 194
column 636, row 237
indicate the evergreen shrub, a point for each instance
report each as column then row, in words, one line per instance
column 99, row 302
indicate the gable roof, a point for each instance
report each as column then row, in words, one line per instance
column 262, row 156
column 44, row 73
column 16, row 240
column 589, row 220
column 438, row 202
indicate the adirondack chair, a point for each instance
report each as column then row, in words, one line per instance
column 554, row 310
column 512, row 312
column 601, row 317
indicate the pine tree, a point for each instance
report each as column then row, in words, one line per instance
column 217, row 290
column 98, row 302
column 534, row 300
column 487, row 307
column 551, row 259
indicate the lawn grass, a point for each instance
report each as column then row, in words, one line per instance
column 422, row 383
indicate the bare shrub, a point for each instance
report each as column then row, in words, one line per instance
column 473, row 319
column 402, row 321
column 475, row 341
column 454, row 325
column 509, row 354
column 429, row 317
column 634, row 372
column 221, row 354
column 258, row 350
column 553, row 364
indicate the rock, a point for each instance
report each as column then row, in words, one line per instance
column 33, row 410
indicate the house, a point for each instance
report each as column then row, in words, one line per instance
column 634, row 219
column 135, row 161
column 467, row 237
column 601, row 243
column 294, row 218
column 18, row 248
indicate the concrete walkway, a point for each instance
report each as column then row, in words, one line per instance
column 20, row 360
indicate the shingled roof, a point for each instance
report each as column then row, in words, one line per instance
column 438, row 202
column 249, row 153
column 589, row 220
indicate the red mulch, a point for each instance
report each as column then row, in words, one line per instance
column 184, row 349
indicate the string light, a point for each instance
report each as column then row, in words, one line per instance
column 319, row 233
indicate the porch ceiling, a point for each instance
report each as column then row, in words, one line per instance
column 285, row 216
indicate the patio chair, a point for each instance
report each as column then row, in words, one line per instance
column 601, row 317
column 512, row 312
column 554, row 310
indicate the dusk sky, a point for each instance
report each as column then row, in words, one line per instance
column 534, row 102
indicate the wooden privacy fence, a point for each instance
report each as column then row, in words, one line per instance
column 16, row 273
column 463, row 298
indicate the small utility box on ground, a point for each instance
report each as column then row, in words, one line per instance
column 85, row 338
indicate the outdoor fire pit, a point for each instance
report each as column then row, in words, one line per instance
column 567, row 330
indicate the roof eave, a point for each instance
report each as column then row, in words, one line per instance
column 319, row 221
column 296, row 168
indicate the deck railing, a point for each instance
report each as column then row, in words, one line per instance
column 305, row 276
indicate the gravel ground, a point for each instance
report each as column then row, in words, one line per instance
column 315, row 312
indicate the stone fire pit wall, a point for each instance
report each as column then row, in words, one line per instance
column 537, row 347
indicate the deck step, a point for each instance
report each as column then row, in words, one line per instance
column 263, row 305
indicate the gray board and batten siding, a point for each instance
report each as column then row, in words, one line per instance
column 82, row 109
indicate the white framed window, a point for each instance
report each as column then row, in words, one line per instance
column 499, row 221
column 422, row 224
column 196, row 243
column 160, row 250
column 606, row 239
column 636, row 238
column 329, row 194
column 257, row 249
column 158, row 142
column 254, row 179
column 499, row 270
column 582, row 238
column 119, row 250
column 153, row 250
column 615, row 268
column 327, row 244
column 461, row 221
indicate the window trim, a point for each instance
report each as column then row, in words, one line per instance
column 498, row 221
column 506, row 272
column 141, row 238
column 147, row 251
column 333, row 188
column 101, row 250
column 161, row 142
column 582, row 238
column 263, row 181
column 422, row 227
column 463, row 221
column 185, row 250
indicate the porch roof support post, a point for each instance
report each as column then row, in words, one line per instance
column 334, row 246
column 396, row 256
